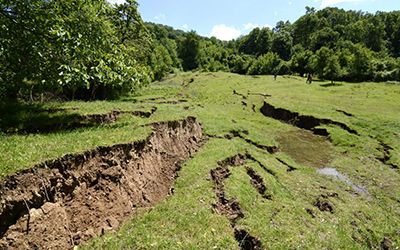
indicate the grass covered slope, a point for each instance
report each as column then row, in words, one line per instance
column 280, row 198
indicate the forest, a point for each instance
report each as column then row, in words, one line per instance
column 89, row 50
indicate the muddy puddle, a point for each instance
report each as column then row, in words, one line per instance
column 305, row 148
column 344, row 178
column 65, row 202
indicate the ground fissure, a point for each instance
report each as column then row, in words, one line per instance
column 64, row 202
column 302, row 121
column 231, row 207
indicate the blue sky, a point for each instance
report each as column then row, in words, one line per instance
column 228, row 19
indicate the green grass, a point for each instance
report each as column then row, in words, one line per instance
column 186, row 219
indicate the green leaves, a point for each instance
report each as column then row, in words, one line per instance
column 67, row 44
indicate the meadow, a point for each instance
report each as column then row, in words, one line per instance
column 298, row 205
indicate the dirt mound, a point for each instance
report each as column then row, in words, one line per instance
column 302, row 121
column 63, row 202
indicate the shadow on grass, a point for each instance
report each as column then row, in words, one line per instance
column 18, row 118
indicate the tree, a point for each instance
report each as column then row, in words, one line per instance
column 66, row 45
column 189, row 51
column 324, row 37
column 321, row 59
column 361, row 63
column 332, row 68
column 282, row 43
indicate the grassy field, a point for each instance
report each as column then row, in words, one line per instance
column 293, row 217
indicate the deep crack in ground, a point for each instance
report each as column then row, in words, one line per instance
column 231, row 207
column 302, row 121
column 61, row 203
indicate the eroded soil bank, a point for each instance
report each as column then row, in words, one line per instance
column 61, row 203
column 302, row 121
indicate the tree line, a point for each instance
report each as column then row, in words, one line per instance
column 90, row 49
column 331, row 43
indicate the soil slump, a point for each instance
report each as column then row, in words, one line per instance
column 231, row 207
column 302, row 121
column 63, row 202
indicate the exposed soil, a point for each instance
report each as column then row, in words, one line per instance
column 231, row 207
column 257, row 181
column 323, row 205
column 102, row 118
column 64, row 202
column 144, row 114
column 236, row 133
column 386, row 155
column 246, row 241
column 302, row 121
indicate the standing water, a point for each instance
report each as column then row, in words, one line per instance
column 333, row 172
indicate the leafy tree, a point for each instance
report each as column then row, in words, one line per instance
column 265, row 64
column 321, row 59
column 189, row 51
column 332, row 68
column 301, row 62
column 324, row 37
column 361, row 63
column 282, row 43
column 66, row 45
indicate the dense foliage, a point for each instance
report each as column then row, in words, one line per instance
column 74, row 47
column 91, row 49
column 332, row 43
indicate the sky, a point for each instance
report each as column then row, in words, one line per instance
column 229, row 19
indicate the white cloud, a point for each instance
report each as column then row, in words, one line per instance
column 250, row 26
column 185, row 27
column 160, row 17
column 326, row 3
column 116, row 1
column 224, row 32
column 290, row 3
column 268, row 26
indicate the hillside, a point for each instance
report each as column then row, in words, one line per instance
column 244, row 162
